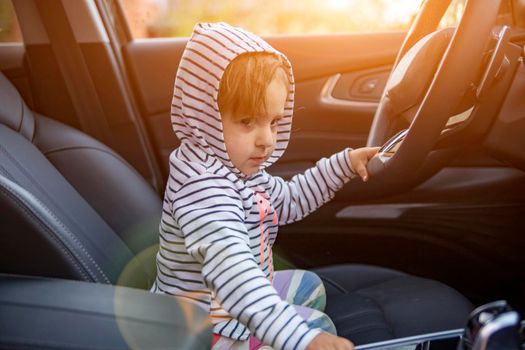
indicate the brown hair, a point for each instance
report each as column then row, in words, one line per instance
column 243, row 86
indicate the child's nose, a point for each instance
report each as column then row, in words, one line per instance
column 264, row 137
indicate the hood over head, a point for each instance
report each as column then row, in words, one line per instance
column 195, row 112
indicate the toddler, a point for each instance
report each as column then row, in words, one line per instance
column 232, row 111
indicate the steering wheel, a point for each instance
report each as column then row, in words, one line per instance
column 433, row 73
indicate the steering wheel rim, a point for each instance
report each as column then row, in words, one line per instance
column 454, row 78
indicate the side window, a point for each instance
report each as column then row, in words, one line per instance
column 9, row 29
column 176, row 18
column 453, row 14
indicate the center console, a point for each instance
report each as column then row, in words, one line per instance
column 493, row 326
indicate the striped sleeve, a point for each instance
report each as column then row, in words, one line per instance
column 210, row 214
column 306, row 192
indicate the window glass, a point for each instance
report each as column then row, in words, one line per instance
column 9, row 29
column 168, row 18
column 453, row 14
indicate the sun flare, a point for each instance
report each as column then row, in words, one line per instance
column 339, row 4
column 399, row 11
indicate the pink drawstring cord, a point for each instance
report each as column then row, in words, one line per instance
column 264, row 208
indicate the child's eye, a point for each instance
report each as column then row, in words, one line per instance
column 246, row 121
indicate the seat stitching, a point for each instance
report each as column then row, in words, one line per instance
column 353, row 315
column 379, row 283
column 357, row 291
column 75, row 239
column 30, row 178
column 72, row 236
column 380, row 308
column 360, row 329
column 36, row 118
column 40, row 222
column 22, row 115
column 6, row 174
column 334, row 284
column 26, row 207
column 346, row 291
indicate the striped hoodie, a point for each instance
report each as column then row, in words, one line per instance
column 218, row 225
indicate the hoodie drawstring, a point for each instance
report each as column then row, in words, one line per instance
column 264, row 209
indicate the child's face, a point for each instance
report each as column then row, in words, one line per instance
column 250, row 141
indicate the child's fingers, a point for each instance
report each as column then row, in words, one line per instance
column 372, row 151
column 361, row 170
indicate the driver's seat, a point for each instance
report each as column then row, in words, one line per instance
column 70, row 207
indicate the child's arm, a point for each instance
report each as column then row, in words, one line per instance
column 306, row 192
column 209, row 211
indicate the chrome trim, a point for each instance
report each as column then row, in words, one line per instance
column 329, row 99
column 414, row 340
column 508, row 319
column 393, row 141
column 459, row 118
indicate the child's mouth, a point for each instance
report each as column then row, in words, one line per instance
column 259, row 160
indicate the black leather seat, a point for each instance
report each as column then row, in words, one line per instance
column 71, row 208
column 370, row 303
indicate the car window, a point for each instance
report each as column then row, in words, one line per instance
column 176, row 18
column 453, row 14
column 9, row 29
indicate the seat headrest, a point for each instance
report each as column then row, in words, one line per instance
column 14, row 113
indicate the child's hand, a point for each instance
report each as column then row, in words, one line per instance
column 327, row 341
column 359, row 158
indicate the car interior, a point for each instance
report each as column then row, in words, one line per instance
column 437, row 231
